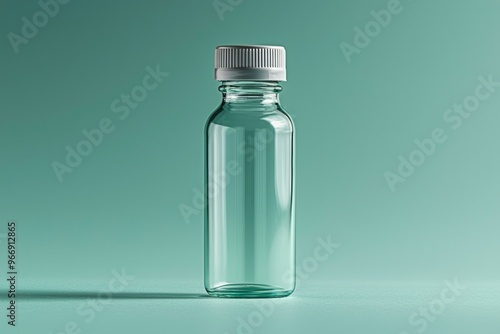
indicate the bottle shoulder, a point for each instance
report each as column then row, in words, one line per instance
column 264, row 117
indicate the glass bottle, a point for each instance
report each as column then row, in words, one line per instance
column 249, row 178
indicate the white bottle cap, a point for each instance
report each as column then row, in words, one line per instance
column 250, row 62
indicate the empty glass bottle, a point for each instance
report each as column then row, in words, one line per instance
column 249, row 178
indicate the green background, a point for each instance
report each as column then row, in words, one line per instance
column 120, row 207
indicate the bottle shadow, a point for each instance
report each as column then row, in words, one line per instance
column 107, row 295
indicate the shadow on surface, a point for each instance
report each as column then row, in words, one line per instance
column 106, row 295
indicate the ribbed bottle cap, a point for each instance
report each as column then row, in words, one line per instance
column 250, row 62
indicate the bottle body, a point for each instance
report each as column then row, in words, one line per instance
column 249, row 187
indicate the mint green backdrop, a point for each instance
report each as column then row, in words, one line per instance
column 359, row 103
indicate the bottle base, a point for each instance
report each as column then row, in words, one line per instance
column 248, row 291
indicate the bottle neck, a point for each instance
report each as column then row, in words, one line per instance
column 253, row 92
